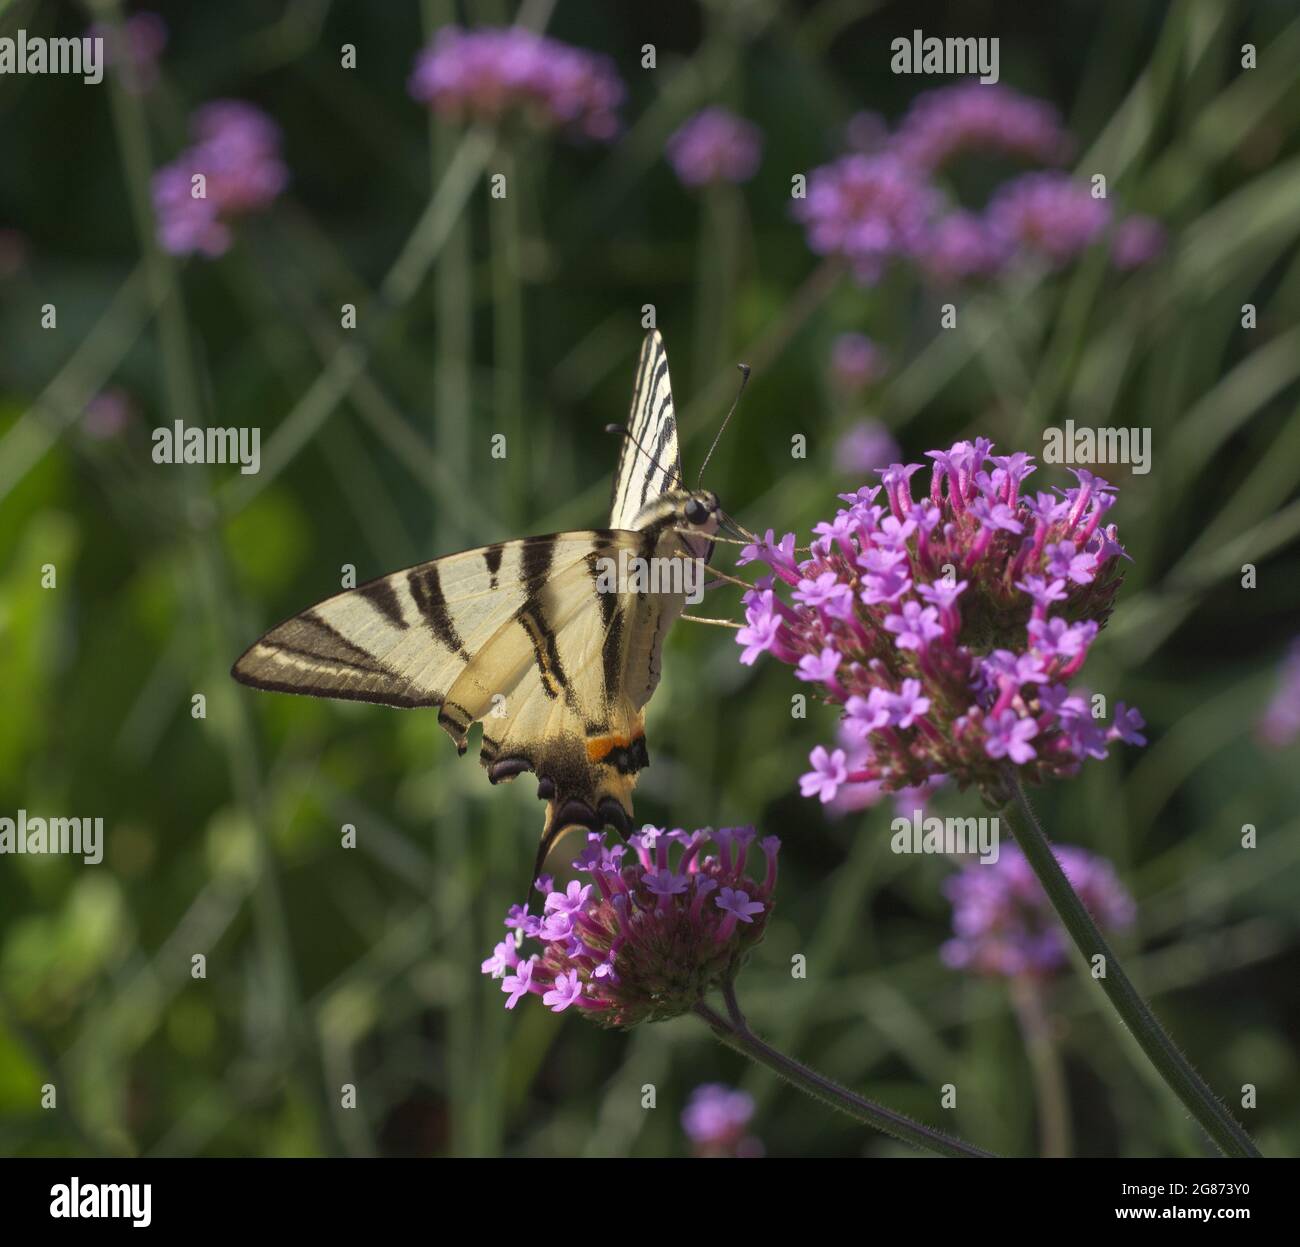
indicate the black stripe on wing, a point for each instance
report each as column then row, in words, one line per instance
column 383, row 597
column 492, row 561
column 426, row 589
column 346, row 671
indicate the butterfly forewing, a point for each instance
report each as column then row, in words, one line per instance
column 403, row 639
column 650, row 462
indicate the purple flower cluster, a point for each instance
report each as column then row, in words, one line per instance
column 1004, row 924
column 949, row 628
column 715, row 1119
column 1279, row 725
column 1046, row 214
column 979, row 117
column 494, row 73
column 715, row 146
column 869, row 209
column 237, row 153
column 658, row 925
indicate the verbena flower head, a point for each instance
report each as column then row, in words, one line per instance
column 867, row 210
column 852, row 797
column 948, row 628
column 1004, row 924
column 1048, row 214
column 495, row 74
column 237, row 152
column 980, row 117
column 715, row 1120
column 1137, row 240
column 959, row 246
column 1280, row 723
column 715, row 146
column 646, row 931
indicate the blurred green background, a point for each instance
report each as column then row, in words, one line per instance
column 329, row 966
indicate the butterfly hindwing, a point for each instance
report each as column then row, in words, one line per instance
column 551, row 690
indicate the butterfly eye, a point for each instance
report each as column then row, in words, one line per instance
column 696, row 512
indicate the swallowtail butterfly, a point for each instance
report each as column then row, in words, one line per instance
column 525, row 635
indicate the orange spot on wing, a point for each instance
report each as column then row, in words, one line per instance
column 600, row 747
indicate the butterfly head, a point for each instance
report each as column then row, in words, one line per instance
column 699, row 510
column 692, row 513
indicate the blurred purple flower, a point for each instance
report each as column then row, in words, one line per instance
column 715, row 1118
column 867, row 210
column 237, row 152
column 979, row 117
column 1050, row 214
column 493, row 73
column 959, row 247
column 1004, row 924
column 145, row 36
column 856, row 361
column 107, row 414
column 868, row 445
column 715, row 146
column 659, row 925
column 1137, row 240
column 1279, row 725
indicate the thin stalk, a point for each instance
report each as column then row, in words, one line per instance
column 452, row 351
column 1051, row 1094
column 715, row 282
column 815, row 289
column 735, row 1033
column 1172, row 1066
column 508, row 327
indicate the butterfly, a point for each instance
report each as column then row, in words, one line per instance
column 537, row 638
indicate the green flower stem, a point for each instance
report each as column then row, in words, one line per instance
column 1172, row 1066
column 735, row 1033
column 454, row 306
column 1050, row 1090
column 508, row 328
column 717, row 266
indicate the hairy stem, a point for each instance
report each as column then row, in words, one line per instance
column 1172, row 1066
column 735, row 1033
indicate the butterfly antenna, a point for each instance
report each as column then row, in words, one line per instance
column 735, row 402
column 624, row 431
